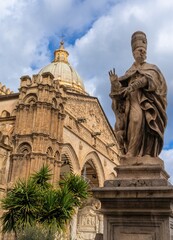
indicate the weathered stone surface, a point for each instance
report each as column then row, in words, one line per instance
column 141, row 172
column 52, row 120
column 138, row 204
column 89, row 221
column 139, row 104
column 144, row 160
column 129, row 212
column 135, row 183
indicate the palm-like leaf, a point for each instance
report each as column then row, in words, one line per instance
column 42, row 177
column 35, row 201
column 58, row 208
column 22, row 205
column 78, row 186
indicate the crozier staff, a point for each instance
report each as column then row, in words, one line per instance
column 139, row 103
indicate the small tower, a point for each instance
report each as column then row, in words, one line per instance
column 61, row 55
column 38, row 130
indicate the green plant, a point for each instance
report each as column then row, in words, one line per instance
column 35, row 202
column 42, row 177
column 21, row 206
column 35, row 233
column 77, row 186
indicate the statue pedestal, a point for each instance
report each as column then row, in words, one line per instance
column 138, row 204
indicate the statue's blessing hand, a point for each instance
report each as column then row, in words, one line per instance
column 112, row 75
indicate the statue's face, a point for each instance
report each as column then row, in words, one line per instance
column 139, row 54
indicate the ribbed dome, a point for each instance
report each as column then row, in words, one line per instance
column 64, row 72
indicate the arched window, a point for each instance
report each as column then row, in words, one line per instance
column 24, row 148
column 30, row 99
column 66, row 165
column 5, row 114
column 89, row 173
column 57, row 156
column 61, row 108
column 54, row 103
column 49, row 152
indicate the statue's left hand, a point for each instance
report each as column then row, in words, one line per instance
column 127, row 91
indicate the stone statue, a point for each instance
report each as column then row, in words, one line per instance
column 139, row 103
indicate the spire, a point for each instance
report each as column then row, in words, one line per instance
column 61, row 45
column 61, row 55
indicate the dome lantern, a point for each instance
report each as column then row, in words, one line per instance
column 61, row 55
column 63, row 72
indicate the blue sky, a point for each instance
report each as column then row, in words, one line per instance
column 96, row 34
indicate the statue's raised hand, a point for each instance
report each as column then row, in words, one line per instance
column 112, row 75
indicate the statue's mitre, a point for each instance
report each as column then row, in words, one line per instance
column 138, row 39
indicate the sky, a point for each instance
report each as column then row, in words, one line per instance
column 97, row 35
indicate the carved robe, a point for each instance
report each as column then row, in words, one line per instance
column 145, row 111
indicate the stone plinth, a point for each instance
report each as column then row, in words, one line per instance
column 145, row 160
column 138, row 204
column 142, row 175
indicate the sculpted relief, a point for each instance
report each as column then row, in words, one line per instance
column 94, row 120
column 5, row 133
column 3, row 161
column 6, row 129
column 139, row 103
column 89, row 222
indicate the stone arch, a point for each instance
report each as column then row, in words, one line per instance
column 57, row 156
column 5, row 114
column 61, row 108
column 54, row 102
column 49, row 152
column 5, row 139
column 21, row 167
column 66, row 166
column 70, row 154
column 30, row 98
column 24, row 148
column 94, row 161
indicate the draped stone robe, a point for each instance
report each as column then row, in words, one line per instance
column 145, row 111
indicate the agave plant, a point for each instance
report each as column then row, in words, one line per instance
column 77, row 186
column 35, row 202
column 42, row 177
column 21, row 205
column 57, row 209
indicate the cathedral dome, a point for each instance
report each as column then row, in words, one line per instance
column 63, row 72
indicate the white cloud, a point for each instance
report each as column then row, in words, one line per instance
column 107, row 45
column 91, row 87
column 165, row 4
column 167, row 156
column 26, row 26
column 105, row 27
column 165, row 39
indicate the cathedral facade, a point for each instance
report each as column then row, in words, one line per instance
column 53, row 120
